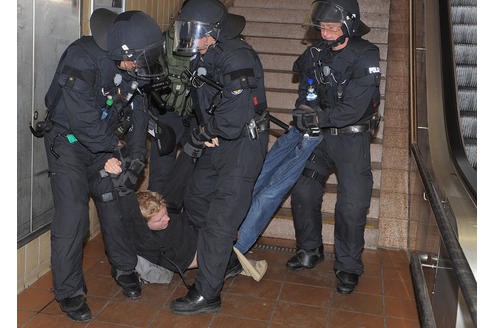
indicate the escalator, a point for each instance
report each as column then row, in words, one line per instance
column 459, row 71
column 463, row 18
column 443, row 194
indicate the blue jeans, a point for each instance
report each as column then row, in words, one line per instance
column 282, row 167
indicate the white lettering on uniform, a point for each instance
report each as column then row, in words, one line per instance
column 373, row 70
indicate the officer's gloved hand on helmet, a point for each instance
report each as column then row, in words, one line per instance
column 198, row 138
column 305, row 120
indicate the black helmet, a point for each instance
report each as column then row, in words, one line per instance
column 134, row 35
column 99, row 23
column 198, row 18
column 335, row 11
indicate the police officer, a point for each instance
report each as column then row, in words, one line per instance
column 172, row 111
column 232, row 137
column 84, row 129
column 345, row 69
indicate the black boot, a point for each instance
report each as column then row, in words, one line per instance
column 194, row 303
column 76, row 308
column 346, row 281
column 306, row 259
column 129, row 282
column 234, row 267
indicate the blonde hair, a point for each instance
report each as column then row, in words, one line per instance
column 150, row 203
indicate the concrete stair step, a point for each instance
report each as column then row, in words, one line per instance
column 279, row 62
column 294, row 30
column 281, row 226
column 291, row 47
column 277, row 46
column 265, row 4
column 279, row 30
column 365, row 6
column 299, row 17
column 281, row 80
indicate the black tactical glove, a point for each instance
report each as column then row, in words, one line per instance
column 194, row 147
column 123, row 183
column 305, row 120
column 199, row 136
column 130, row 176
column 193, row 151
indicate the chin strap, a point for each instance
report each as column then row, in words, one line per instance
column 333, row 43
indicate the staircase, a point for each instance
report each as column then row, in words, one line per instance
column 274, row 30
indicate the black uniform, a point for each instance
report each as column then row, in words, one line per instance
column 78, row 144
column 172, row 248
column 161, row 165
column 348, row 92
column 220, row 191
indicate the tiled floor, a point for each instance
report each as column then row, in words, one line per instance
column 283, row 298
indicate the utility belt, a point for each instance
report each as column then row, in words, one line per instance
column 350, row 129
column 254, row 127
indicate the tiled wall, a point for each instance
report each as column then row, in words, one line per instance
column 33, row 261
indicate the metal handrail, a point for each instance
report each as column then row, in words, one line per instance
column 443, row 216
column 425, row 310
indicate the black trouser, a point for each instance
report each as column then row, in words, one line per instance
column 161, row 166
column 73, row 176
column 217, row 202
column 349, row 156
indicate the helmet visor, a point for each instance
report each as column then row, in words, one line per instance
column 151, row 61
column 324, row 11
column 188, row 34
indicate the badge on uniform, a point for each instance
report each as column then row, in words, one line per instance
column 237, row 92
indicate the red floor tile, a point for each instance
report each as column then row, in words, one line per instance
column 166, row 319
column 344, row 319
column 304, row 294
column 34, row 299
column 24, row 316
column 284, row 298
column 402, row 323
column 130, row 313
column 357, row 302
column 247, row 306
column 224, row 321
column 297, row 315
